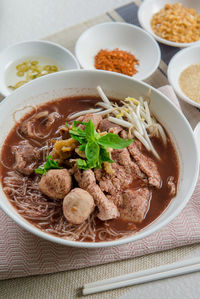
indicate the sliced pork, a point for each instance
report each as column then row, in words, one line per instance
column 107, row 208
column 125, row 171
column 123, row 158
column 124, row 134
column 146, row 164
column 107, row 126
column 135, row 204
column 26, row 157
column 94, row 118
column 171, row 183
column 113, row 184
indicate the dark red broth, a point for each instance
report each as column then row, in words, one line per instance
column 168, row 165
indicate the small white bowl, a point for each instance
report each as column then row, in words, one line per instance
column 197, row 137
column 123, row 36
column 17, row 53
column 179, row 63
column 149, row 7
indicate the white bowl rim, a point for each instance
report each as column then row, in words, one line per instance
column 197, row 137
column 142, row 234
column 158, row 38
column 170, row 65
column 125, row 25
column 42, row 42
column 35, row 41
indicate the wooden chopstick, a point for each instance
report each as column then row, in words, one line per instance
column 157, row 273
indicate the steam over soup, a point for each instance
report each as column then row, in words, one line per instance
column 89, row 168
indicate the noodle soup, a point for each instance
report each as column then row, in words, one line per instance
column 109, row 201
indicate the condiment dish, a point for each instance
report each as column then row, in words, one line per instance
column 197, row 137
column 149, row 7
column 178, row 64
column 123, row 36
column 84, row 82
column 44, row 51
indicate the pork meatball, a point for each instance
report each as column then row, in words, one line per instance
column 56, row 183
column 78, row 204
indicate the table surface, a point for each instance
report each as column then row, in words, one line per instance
column 25, row 20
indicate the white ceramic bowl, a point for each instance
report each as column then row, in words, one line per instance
column 84, row 82
column 180, row 62
column 47, row 51
column 149, row 7
column 123, row 36
column 197, row 137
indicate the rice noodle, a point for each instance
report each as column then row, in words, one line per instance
column 41, row 114
column 3, row 163
column 28, row 127
column 23, row 108
column 47, row 215
column 40, row 135
column 19, row 133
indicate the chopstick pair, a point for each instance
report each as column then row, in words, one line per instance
column 157, row 273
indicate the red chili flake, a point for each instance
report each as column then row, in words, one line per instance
column 116, row 61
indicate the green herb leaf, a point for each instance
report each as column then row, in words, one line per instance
column 105, row 156
column 92, row 151
column 77, row 130
column 80, row 139
column 40, row 170
column 89, row 130
column 50, row 164
column 114, row 141
column 95, row 145
column 82, row 164
column 82, row 147
column 75, row 123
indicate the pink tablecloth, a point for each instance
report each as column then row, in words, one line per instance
column 22, row 253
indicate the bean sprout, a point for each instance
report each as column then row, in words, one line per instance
column 75, row 115
column 103, row 96
column 135, row 115
column 120, row 122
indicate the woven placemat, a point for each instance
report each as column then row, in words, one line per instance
column 66, row 284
